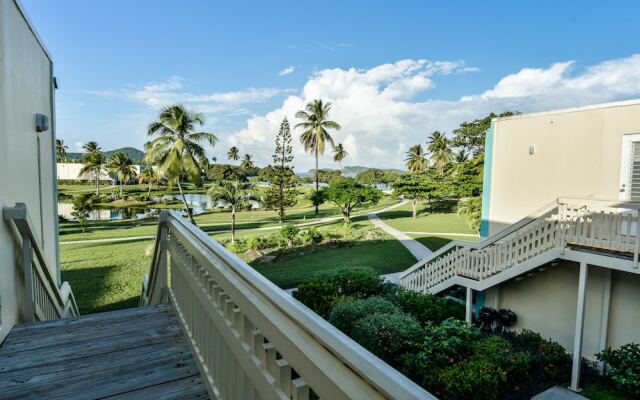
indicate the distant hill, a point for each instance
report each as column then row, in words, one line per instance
column 356, row 169
column 136, row 155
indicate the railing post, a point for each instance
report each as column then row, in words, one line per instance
column 637, row 243
column 162, row 260
column 469, row 308
column 27, row 273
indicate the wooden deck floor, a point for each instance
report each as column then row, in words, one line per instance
column 138, row 353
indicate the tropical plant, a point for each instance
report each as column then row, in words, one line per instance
column 121, row 165
column 247, row 162
column 471, row 209
column 471, row 135
column 233, row 154
column 150, row 176
column 413, row 187
column 93, row 162
column 236, row 195
column 82, row 206
column 315, row 124
column 281, row 194
column 347, row 193
column 439, row 149
column 339, row 154
column 61, row 150
column 461, row 156
column 416, row 160
column 624, row 367
column 177, row 149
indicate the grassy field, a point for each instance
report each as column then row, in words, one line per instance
column 106, row 276
column 441, row 222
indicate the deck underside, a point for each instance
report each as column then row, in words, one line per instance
column 138, row 353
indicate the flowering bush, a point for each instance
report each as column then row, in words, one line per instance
column 624, row 364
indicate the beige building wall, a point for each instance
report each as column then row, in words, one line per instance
column 27, row 158
column 546, row 303
column 71, row 172
column 576, row 153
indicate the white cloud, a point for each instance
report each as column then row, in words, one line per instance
column 78, row 147
column 380, row 119
column 287, row 71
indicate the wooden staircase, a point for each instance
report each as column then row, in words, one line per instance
column 137, row 353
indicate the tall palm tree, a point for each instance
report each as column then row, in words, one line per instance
column 440, row 150
column 315, row 123
column 339, row 154
column 233, row 154
column 461, row 156
column 61, row 150
column 121, row 165
column 471, row 209
column 235, row 194
column 177, row 150
column 150, row 176
column 416, row 160
column 247, row 162
column 93, row 162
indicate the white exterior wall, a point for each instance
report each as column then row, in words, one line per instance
column 71, row 172
column 26, row 158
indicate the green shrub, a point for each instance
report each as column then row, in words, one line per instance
column 347, row 312
column 475, row 378
column 624, row 364
column 289, row 232
column 427, row 307
column 325, row 289
column 310, row 236
column 388, row 336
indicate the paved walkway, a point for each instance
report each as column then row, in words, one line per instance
column 417, row 249
column 558, row 393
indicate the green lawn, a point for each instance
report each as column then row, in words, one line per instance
column 435, row 242
column 440, row 222
column 106, row 276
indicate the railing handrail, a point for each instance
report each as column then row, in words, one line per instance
column 387, row 381
column 62, row 295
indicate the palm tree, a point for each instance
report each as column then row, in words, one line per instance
column 93, row 162
column 235, row 194
column 176, row 150
column 233, row 154
column 121, row 165
column 439, row 150
column 61, row 150
column 471, row 209
column 461, row 156
column 150, row 176
column 416, row 160
column 247, row 162
column 315, row 122
column 339, row 154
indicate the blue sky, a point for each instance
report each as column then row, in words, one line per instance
column 394, row 70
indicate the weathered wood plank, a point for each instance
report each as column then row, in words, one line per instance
column 135, row 353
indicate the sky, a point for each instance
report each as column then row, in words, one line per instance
column 394, row 70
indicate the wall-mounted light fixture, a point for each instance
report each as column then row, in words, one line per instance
column 532, row 149
column 42, row 123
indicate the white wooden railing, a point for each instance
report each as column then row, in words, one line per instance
column 43, row 299
column 565, row 223
column 252, row 340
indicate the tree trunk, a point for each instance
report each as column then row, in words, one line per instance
column 184, row 201
column 281, row 193
column 149, row 192
column 121, row 189
column 346, row 215
column 233, row 224
column 316, row 150
column 414, row 204
column 98, row 183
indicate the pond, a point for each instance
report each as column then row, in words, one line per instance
column 199, row 203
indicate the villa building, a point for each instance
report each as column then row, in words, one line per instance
column 560, row 228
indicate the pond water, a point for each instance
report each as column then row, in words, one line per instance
column 199, row 203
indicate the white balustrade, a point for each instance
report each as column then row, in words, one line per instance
column 565, row 223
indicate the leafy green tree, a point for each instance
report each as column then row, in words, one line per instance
column 339, row 154
column 439, row 150
column 177, row 150
column 82, row 207
column 61, row 150
column 225, row 172
column 416, row 160
column 415, row 188
column 93, row 160
column 471, row 209
column 326, row 175
column 121, row 165
column 236, row 194
column 466, row 178
column 316, row 123
column 471, row 135
column 233, row 154
column 347, row 193
column 461, row 156
column 149, row 176
column 281, row 194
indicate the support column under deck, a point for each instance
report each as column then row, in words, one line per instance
column 577, row 341
column 469, row 310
